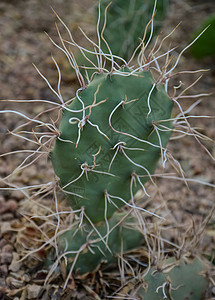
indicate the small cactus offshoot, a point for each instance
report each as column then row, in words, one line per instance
column 175, row 280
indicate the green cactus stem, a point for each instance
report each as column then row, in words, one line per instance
column 110, row 140
column 205, row 44
column 126, row 22
column 176, row 280
column 86, row 247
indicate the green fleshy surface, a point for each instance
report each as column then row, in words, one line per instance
column 126, row 22
column 131, row 118
column 186, row 281
column 122, row 238
column 205, row 45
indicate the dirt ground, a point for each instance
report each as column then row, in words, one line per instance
column 23, row 43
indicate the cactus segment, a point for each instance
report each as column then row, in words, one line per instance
column 88, row 248
column 125, row 26
column 175, row 280
column 126, row 22
column 205, row 44
column 108, row 140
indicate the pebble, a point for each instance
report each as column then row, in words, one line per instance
column 7, row 217
column 33, row 291
column 17, row 195
column 3, row 270
column 7, row 249
column 3, row 242
column 3, row 286
column 6, row 255
column 8, row 206
column 13, row 282
column 6, row 258
column 15, row 264
column 5, row 227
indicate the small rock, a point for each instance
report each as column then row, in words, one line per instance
column 33, row 291
column 7, row 249
column 8, row 206
column 24, row 295
column 7, row 217
column 26, row 278
column 17, row 195
column 3, row 271
column 5, row 227
column 15, row 264
column 2, row 284
column 3, row 242
column 6, row 258
column 14, row 283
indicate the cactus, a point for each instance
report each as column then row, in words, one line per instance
column 175, row 280
column 126, row 22
column 109, row 139
column 91, row 248
column 130, row 19
column 205, row 44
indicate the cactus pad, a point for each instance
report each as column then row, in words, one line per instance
column 108, row 140
column 205, row 44
column 176, row 280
